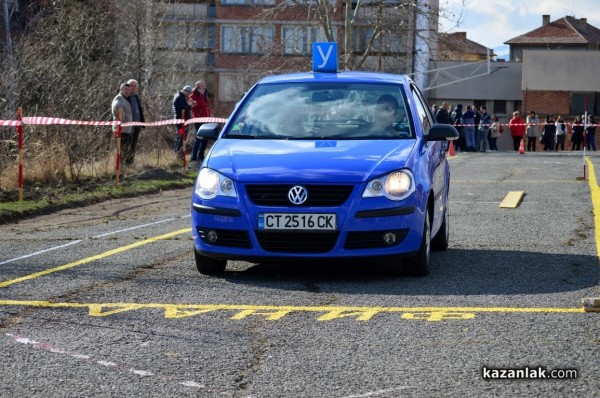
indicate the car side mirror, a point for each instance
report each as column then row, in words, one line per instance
column 442, row 132
column 208, row 131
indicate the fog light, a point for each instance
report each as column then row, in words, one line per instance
column 212, row 236
column 389, row 238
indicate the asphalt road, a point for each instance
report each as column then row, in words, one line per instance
column 105, row 301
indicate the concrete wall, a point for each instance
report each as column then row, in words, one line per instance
column 561, row 70
column 503, row 83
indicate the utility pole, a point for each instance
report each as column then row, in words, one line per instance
column 8, row 50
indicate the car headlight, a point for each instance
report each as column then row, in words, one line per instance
column 211, row 183
column 394, row 186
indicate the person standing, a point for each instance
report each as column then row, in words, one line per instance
column 182, row 110
column 137, row 114
column 442, row 115
column 590, row 133
column 484, row 128
column 121, row 110
column 517, row 129
column 549, row 133
column 469, row 128
column 199, row 100
column 456, row 117
column 577, row 135
column 561, row 133
column 477, row 130
column 532, row 130
column 495, row 131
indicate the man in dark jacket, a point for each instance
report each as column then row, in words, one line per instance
column 442, row 115
column 182, row 110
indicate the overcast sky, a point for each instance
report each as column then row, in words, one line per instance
column 492, row 22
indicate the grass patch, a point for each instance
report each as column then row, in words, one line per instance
column 43, row 200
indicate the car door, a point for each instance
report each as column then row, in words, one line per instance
column 433, row 158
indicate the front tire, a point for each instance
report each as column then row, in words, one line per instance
column 209, row 266
column 441, row 239
column 419, row 264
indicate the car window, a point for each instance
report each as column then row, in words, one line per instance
column 322, row 111
column 425, row 118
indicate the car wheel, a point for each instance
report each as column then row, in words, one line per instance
column 441, row 239
column 207, row 265
column 419, row 264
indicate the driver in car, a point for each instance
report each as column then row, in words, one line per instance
column 385, row 116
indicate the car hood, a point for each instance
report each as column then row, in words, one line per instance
column 349, row 161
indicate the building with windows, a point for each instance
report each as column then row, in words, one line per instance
column 560, row 61
column 230, row 44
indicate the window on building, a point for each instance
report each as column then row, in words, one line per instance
column 249, row 2
column 305, row 2
column 390, row 42
column 174, row 36
column 202, row 36
column 479, row 103
column 298, row 40
column 499, row 107
column 246, row 39
column 580, row 100
column 518, row 107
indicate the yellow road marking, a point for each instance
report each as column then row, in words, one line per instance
column 94, row 258
column 512, row 199
column 595, row 190
column 274, row 313
column 474, row 182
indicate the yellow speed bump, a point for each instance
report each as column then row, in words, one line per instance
column 512, row 199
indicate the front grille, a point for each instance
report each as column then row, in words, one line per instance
column 226, row 237
column 318, row 195
column 372, row 239
column 297, row 242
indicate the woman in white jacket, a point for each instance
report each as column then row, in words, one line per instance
column 561, row 133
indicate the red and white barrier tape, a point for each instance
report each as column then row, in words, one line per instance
column 42, row 120
column 525, row 124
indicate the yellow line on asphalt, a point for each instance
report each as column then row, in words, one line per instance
column 595, row 190
column 94, row 258
column 474, row 182
column 273, row 312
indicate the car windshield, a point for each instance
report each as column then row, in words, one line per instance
column 323, row 111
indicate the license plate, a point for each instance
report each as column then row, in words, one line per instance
column 294, row 221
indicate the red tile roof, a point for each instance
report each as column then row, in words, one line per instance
column 458, row 42
column 567, row 30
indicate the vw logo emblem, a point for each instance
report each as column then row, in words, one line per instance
column 297, row 195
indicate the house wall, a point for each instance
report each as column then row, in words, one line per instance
column 549, row 102
column 560, row 70
column 503, row 83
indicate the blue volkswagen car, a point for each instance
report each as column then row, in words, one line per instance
column 320, row 166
